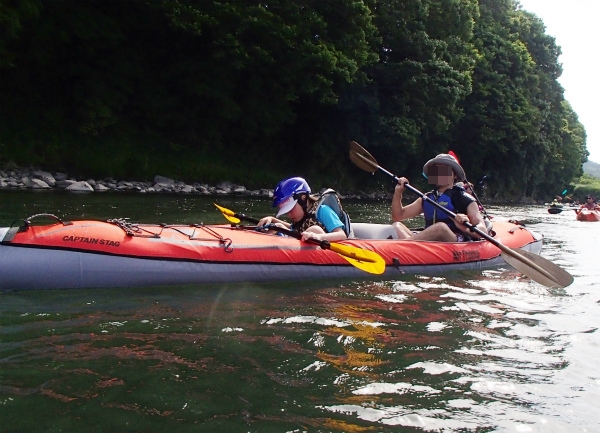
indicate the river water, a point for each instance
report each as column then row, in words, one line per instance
column 468, row 352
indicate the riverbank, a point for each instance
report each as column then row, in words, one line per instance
column 22, row 178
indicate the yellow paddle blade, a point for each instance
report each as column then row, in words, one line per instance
column 365, row 260
column 355, row 253
column 228, row 214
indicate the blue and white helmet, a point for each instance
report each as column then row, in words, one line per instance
column 285, row 193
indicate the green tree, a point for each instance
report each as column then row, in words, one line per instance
column 176, row 78
column 514, row 117
column 424, row 72
column 560, row 134
column 253, row 91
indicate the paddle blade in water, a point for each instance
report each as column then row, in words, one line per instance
column 552, row 275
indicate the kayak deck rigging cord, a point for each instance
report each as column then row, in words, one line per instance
column 141, row 230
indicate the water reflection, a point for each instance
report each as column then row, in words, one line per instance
column 469, row 351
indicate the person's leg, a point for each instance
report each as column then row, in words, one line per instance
column 402, row 231
column 437, row 232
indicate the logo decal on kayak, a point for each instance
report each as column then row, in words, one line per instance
column 465, row 256
column 86, row 240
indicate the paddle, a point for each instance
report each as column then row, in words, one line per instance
column 365, row 260
column 578, row 210
column 532, row 265
column 471, row 189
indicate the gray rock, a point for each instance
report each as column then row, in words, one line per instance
column 37, row 184
column 163, row 180
column 81, row 186
column 45, row 176
column 65, row 183
column 60, row 176
column 124, row 186
column 266, row 193
column 100, row 187
column 164, row 187
column 226, row 186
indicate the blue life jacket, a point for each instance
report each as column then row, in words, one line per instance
column 454, row 199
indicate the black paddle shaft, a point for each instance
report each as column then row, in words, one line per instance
column 323, row 244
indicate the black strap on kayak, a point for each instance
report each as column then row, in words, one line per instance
column 134, row 229
column 23, row 225
column 141, row 230
column 226, row 242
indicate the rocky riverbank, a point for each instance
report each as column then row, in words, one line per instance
column 20, row 178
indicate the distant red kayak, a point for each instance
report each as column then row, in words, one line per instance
column 588, row 215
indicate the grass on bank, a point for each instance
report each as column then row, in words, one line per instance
column 586, row 184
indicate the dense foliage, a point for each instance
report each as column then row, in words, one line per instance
column 253, row 91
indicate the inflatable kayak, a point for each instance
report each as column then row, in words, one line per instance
column 588, row 215
column 118, row 253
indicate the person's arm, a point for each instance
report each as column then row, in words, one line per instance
column 336, row 235
column 269, row 220
column 401, row 212
column 472, row 216
column 333, row 225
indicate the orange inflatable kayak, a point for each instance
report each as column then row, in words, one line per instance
column 588, row 215
column 118, row 253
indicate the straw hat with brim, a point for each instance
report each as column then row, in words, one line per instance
column 445, row 159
